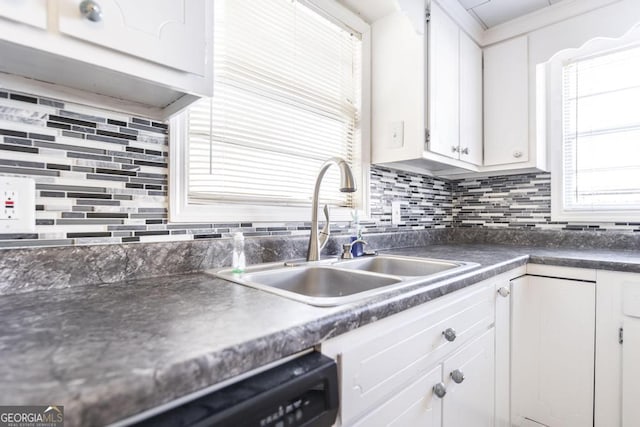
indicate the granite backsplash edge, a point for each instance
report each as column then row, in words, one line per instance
column 30, row 269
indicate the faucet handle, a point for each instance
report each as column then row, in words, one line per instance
column 347, row 247
column 346, row 251
column 326, row 231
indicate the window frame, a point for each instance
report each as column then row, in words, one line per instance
column 553, row 71
column 181, row 210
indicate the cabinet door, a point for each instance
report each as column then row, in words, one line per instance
column 470, row 401
column 30, row 12
column 631, row 372
column 169, row 32
column 552, row 353
column 503, row 354
column 506, row 103
column 414, row 406
column 631, row 355
column 617, row 368
column 382, row 358
column 470, row 100
column 443, row 78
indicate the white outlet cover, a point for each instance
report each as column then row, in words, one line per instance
column 396, row 214
column 396, row 134
column 17, row 205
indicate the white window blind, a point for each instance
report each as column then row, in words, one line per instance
column 601, row 131
column 286, row 98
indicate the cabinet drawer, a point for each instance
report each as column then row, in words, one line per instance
column 167, row 32
column 30, row 12
column 396, row 354
column 415, row 405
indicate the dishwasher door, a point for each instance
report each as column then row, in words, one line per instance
column 300, row 392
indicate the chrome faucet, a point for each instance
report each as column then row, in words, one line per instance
column 347, row 185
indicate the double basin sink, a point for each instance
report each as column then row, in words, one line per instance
column 331, row 282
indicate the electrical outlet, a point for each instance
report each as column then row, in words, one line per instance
column 396, row 216
column 9, row 204
column 17, row 205
column 397, row 135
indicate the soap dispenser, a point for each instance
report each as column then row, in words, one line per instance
column 239, row 262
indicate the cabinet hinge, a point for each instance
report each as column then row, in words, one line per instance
column 427, row 16
column 620, row 335
column 427, row 138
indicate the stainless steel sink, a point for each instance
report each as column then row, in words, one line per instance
column 330, row 283
column 317, row 285
column 400, row 266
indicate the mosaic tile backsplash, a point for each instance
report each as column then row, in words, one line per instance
column 516, row 201
column 101, row 177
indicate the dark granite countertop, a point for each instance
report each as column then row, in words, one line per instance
column 109, row 351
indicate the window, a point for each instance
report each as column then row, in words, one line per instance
column 599, row 154
column 288, row 79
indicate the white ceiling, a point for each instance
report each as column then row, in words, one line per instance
column 370, row 10
column 490, row 13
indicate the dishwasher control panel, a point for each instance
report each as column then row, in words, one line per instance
column 300, row 392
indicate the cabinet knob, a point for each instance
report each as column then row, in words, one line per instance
column 504, row 292
column 517, row 154
column 440, row 390
column 449, row 334
column 465, row 150
column 91, row 10
column 454, row 149
column 457, row 376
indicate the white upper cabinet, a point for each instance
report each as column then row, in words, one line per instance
column 151, row 57
column 426, row 91
column 30, row 12
column 443, row 76
column 506, row 103
column 168, row 32
column 470, row 100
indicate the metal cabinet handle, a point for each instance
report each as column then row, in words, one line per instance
column 455, row 149
column 517, row 154
column 457, row 376
column 440, row 390
column 465, row 150
column 504, row 292
column 449, row 334
column 91, row 10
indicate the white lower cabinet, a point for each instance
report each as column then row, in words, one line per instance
column 617, row 382
column 631, row 370
column 469, row 380
column 466, row 378
column 537, row 346
column 415, row 405
column 552, row 351
column 432, row 365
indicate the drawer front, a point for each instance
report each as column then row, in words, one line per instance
column 167, row 32
column 372, row 369
column 415, row 405
column 30, row 12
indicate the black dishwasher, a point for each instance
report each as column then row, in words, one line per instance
column 300, row 392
